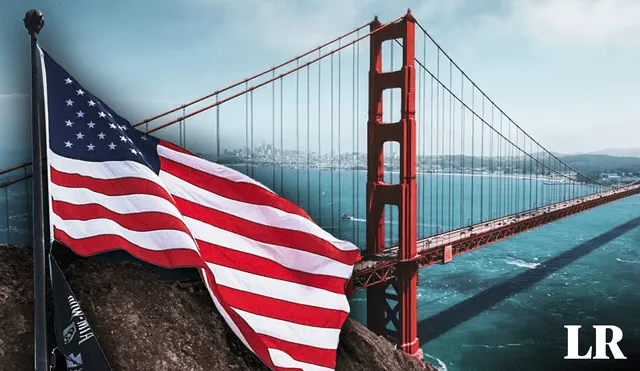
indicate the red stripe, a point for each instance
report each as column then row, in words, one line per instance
column 173, row 258
column 282, row 309
column 110, row 187
column 239, row 191
column 264, row 267
column 267, row 234
column 141, row 222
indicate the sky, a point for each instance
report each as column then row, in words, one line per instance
column 564, row 70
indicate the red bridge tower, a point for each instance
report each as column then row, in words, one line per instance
column 401, row 313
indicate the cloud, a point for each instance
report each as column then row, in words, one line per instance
column 295, row 26
column 589, row 23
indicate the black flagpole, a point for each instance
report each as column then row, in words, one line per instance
column 33, row 22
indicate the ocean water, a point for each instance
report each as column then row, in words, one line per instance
column 502, row 307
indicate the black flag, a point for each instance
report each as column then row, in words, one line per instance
column 74, row 336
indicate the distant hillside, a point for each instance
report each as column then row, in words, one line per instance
column 593, row 165
column 622, row 152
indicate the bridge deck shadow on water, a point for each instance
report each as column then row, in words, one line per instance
column 431, row 328
column 438, row 324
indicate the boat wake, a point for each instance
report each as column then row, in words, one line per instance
column 628, row 261
column 522, row 264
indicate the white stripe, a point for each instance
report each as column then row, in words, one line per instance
column 290, row 258
column 223, row 312
column 325, row 338
column 284, row 360
column 158, row 240
column 124, row 204
column 207, row 166
column 261, row 214
column 278, row 289
column 103, row 170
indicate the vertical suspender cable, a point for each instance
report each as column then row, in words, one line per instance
column 339, row 136
column 297, row 133
column 273, row 132
column 331, row 159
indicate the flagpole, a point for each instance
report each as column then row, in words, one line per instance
column 33, row 22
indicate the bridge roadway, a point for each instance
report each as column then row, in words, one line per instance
column 441, row 248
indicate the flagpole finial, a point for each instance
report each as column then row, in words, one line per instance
column 33, row 21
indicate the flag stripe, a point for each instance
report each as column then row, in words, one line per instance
column 291, row 258
column 140, row 222
column 125, row 204
column 110, row 187
column 182, row 156
column 172, row 258
column 256, row 265
column 102, row 170
column 325, row 338
column 267, row 234
column 158, row 240
column 284, row 310
column 237, row 191
column 264, row 215
column 278, row 289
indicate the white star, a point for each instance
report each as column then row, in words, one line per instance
column 80, row 135
column 112, row 125
column 91, row 103
column 112, row 146
column 144, row 137
column 68, row 144
column 101, row 135
column 91, row 147
column 69, row 102
column 67, row 81
column 80, row 114
column 123, row 138
column 69, row 123
column 91, row 124
column 123, row 127
column 101, row 114
column 134, row 151
column 80, row 92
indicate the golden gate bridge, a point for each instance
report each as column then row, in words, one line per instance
column 378, row 125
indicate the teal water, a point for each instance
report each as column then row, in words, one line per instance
column 501, row 307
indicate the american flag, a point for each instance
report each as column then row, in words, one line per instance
column 275, row 276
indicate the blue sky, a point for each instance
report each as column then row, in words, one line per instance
column 565, row 70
